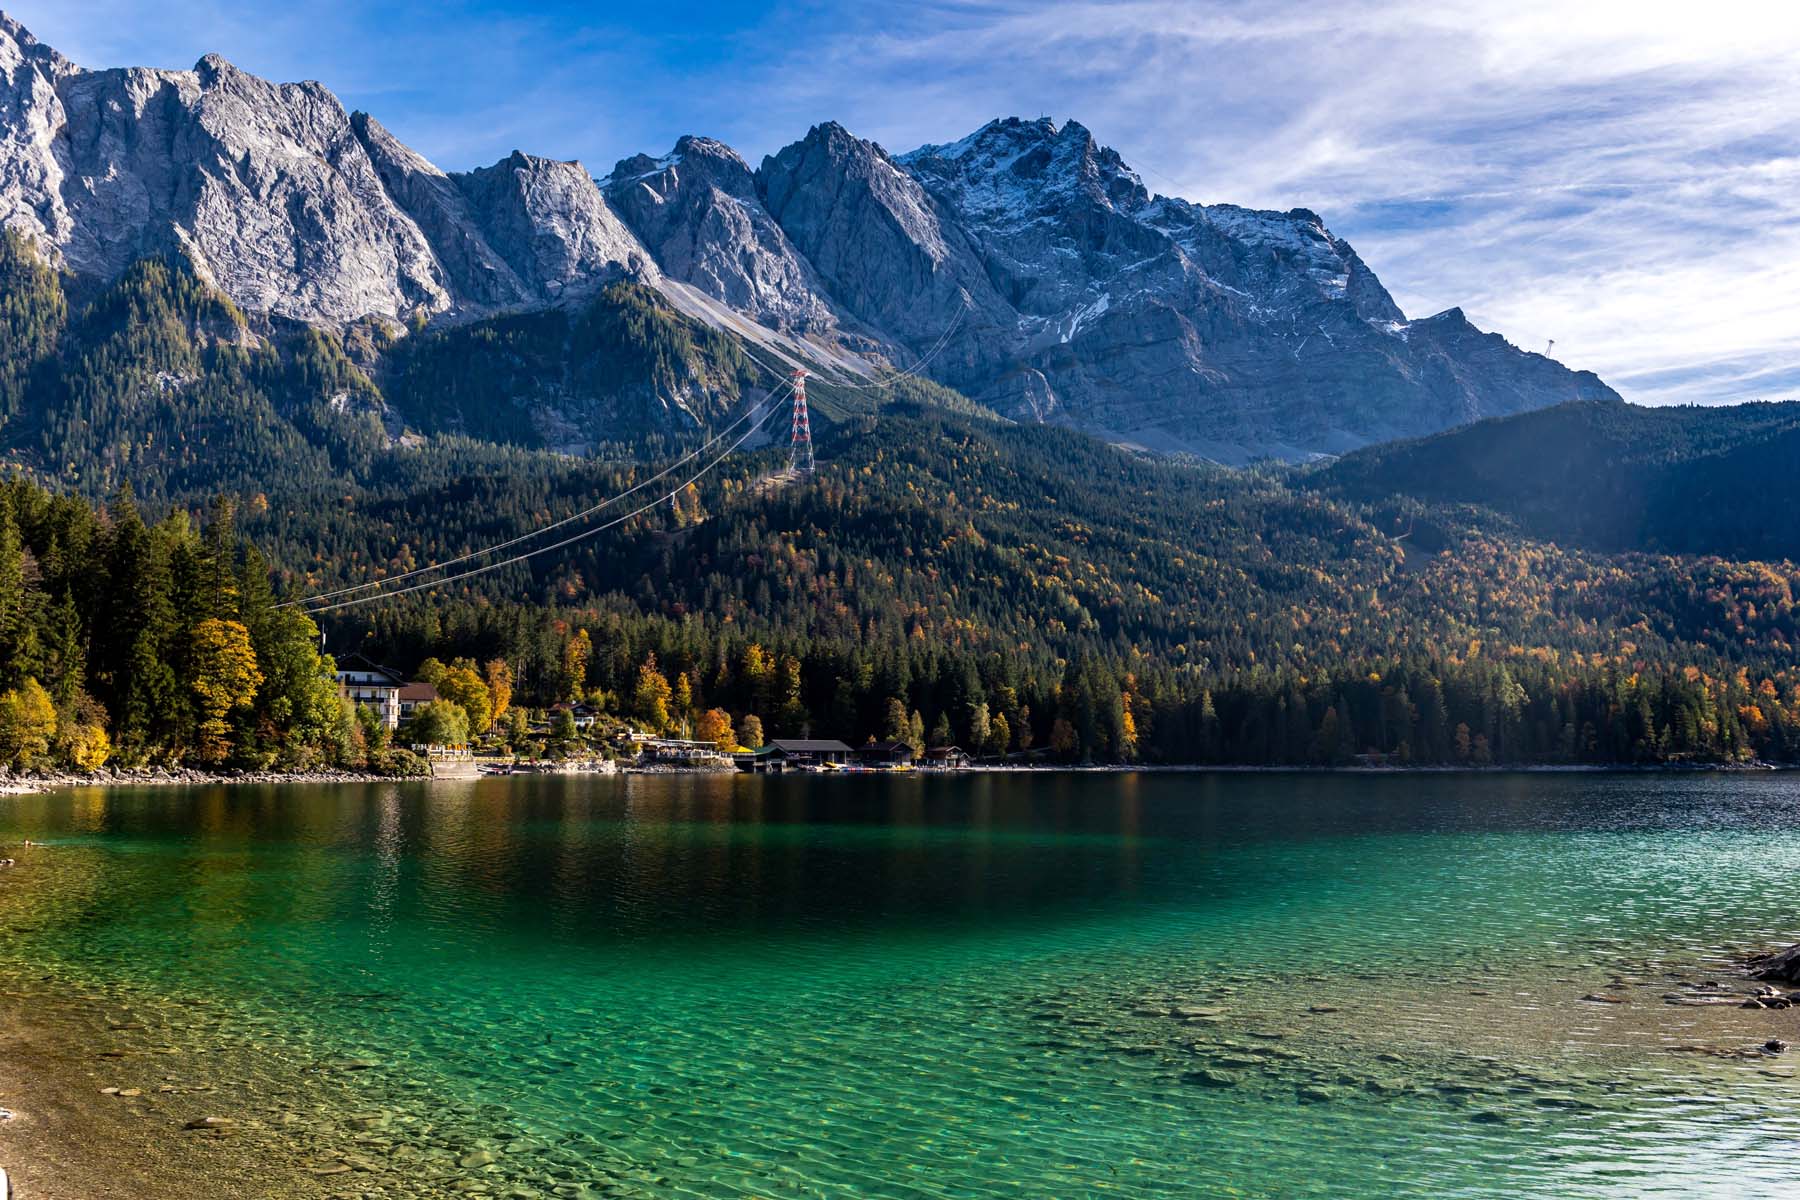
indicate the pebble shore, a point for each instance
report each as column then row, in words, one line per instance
column 27, row 783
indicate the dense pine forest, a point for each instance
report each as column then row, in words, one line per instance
column 1610, row 476
column 1024, row 592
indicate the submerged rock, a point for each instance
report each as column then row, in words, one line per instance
column 1783, row 966
column 220, row 1125
column 1210, row 1078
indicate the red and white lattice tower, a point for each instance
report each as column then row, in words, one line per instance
column 800, row 450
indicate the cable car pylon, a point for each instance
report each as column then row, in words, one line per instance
column 800, row 449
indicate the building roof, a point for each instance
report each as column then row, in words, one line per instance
column 946, row 752
column 356, row 664
column 887, row 748
column 417, row 692
column 809, row 746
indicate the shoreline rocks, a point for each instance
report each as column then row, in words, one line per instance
column 30, row 783
column 1781, row 966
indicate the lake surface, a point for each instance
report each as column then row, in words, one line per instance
column 987, row 985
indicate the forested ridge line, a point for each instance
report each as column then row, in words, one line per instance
column 133, row 642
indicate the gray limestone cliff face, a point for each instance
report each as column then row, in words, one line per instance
column 31, row 112
column 697, row 210
column 282, row 199
column 549, row 220
column 432, row 199
column 1225, row 331
column 877, row 240
column 263, row 185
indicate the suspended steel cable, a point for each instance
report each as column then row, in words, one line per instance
column 482, row 552
column 936, row 349
column 568, row 541
column 378, row 587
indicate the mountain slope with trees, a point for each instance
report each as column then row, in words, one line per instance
column 1613, row 477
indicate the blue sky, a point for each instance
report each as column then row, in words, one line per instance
column 1622, row 177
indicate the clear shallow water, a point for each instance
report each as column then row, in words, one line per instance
column 979, row 986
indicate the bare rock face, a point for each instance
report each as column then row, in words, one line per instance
column 264, row 185
column 441, row 211
column 283, row 200
column 550, row 222
column 1215, row 329
column 698, row 212
column 877, row 239
column 31, row 112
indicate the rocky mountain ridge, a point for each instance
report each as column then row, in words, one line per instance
column 1025, row 265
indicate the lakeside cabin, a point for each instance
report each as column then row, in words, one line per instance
column 946, row 758
column 888, row 755
column 796, row 754
column 812, row 752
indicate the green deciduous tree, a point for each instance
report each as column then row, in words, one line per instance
column 436, row 723
column 750, row 732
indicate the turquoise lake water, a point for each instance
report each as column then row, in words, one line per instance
column 1004, row 985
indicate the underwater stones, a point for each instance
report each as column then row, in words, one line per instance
column 1190, row 1012
column 1702, row 1000
column 1602, row 998
column 1565, row 1101
column 217, row 1125
column 477, row 1158
column 1315, row 1093
column 1774, row 1046
column 1487, row 1116
column 1783, row 966
column 1453, row 1088
column 1323, row 1009
column 1208, row 1078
